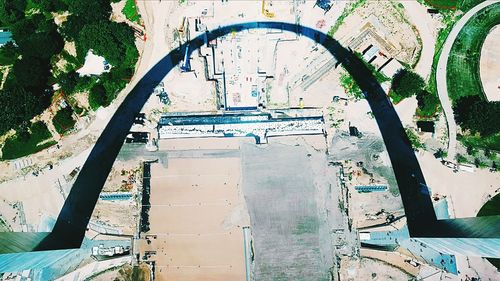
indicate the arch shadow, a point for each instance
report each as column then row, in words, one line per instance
column 74, row 217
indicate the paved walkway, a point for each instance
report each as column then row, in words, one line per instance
column 442, row 87
column 424, row 23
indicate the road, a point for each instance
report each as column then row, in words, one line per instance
column 155, row 15
column 442, row 86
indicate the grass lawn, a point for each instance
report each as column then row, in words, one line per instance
column 130, row 11
column 490, row 142
column 463, row 63
column 38, row 139
column 491, row 208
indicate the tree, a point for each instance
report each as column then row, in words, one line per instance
column 90, row 10
column 83, row 13
column 50, row 5
column 70, row 29
column 68, row 81
column 115, row 80
column 38, row 37
column 11, row 11
column 8, row 53
column 487, row 152
column 32, row 73
column 439, row 153
column 63, row 120
column 21, row 29
column 108, row 39
column 42, row 45
column 98, row 97
column 478, row 115
column 406, row 84
column 18, row 106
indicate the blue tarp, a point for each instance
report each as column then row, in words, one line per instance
column 5, row 36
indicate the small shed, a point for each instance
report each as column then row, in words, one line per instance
column 353, row 131
column 426, row 126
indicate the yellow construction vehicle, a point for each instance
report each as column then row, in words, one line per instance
column 265, row 11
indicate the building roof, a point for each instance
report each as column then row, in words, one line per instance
column 370, row 53
column 390, row 68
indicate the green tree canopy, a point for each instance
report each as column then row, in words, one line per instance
column 72, row 26
column 37, row 37
column 98, row 97
column 90, row 10
column 478, row 115
column 108, row 39
column 407, row 83
column 31, row 73
column 11, row 11
column 68, row 81
column 42, row 45
column 18, row 106
column 63, row 120
column 22, row 28
column 8, row 53
column 51, row 5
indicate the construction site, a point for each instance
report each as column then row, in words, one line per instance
column 250, row 161
column 206, row 214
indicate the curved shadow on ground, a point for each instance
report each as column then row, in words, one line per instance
column 72, row 222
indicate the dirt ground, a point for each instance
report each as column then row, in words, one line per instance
column 390, row 24
column 122, row 177
column 466, row 192
column 490, row 65
column 124, row 273
column 197, row 214
column 312, row 79
column 116, row 215
column 366, row 208
column 369, row 269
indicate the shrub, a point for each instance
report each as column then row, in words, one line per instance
column 428, row 103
